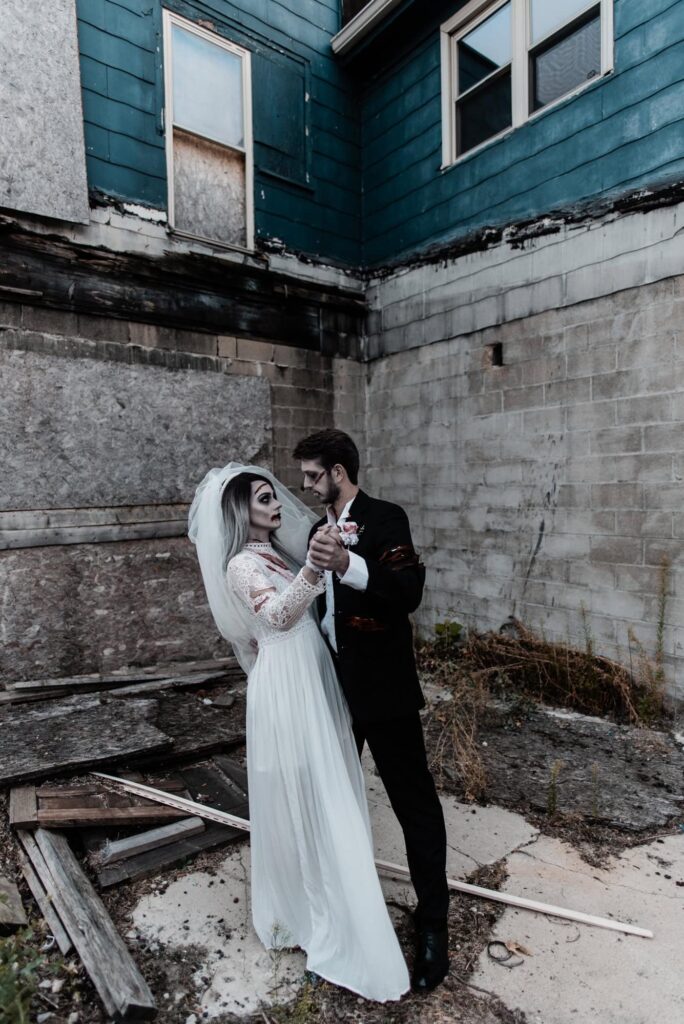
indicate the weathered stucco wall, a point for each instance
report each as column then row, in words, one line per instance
column 113, row 423
column 42, row 152
column 549, row 488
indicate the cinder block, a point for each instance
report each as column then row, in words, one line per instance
column 616, row 439
column 648, row 409
column 568, row 392
column 227, row 346
column 523, row 398
column 49, row 321
column 10, row 314
column 542, row 371
column 146, row 335
column 589, row 415
column 618, row 496
column 256, row 351
column 102, row 328
column 644, row 524
column 617, row 550
column 664, row 437
column 647, row 351
column 590, row 361
column 656, row 550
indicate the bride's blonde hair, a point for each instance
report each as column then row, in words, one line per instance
column 235, row 501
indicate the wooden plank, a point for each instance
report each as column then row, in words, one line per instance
column 23, row 807
column 153, row 839
column 175, row 683
column 75, row 733
column 80, row 682
column 12, row 913
column 124, row 992
column 47, row 792
column 113, row 817
column 47, row 910
column 195, row 728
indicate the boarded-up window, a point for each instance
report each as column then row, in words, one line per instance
column 208, row 134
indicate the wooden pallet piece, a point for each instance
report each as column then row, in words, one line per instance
column 153, row 839
column 83, row 807
column 227, row 784
column 40, row 896
column 12, row 913
column 120, row 985
column 75, row 733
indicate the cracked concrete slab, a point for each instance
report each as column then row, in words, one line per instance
column 578, row 973
column 475, row 835
column 213, row 911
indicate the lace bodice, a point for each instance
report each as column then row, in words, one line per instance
column 277, row 599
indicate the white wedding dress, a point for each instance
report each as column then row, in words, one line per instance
column 314, row 881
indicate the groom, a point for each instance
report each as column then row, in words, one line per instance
column 374, row 581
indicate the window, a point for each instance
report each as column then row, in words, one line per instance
column 208, row 134
column 504, row 62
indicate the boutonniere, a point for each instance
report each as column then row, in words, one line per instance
column 350, row 533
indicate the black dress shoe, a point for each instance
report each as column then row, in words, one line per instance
column 432, row 958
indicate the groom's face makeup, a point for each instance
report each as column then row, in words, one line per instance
column 319, row 481
column 264, row 507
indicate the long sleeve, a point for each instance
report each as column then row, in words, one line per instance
column 280, row 611
column 396, row 576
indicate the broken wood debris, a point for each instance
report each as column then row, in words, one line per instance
column 154, row 839
column 42, row 898
column 74, row 732
column 123, row 990
column 81, row 806
column 12, row 914
column 224, row 783
column 180, row 675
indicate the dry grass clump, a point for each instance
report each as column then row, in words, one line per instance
column 454, row 725
column 558, row 674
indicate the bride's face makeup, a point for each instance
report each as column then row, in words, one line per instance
column 264, row 509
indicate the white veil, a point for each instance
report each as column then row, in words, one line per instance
column 207, row 531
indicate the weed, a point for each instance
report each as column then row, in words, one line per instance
column 552, row 794
column 595, row 802
column 19, row 977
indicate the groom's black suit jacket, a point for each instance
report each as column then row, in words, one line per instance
column 375, row 659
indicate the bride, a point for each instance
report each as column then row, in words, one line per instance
column 314, row 882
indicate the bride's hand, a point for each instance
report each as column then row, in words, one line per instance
column 327, row 551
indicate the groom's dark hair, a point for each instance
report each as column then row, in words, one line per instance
column 330, row 448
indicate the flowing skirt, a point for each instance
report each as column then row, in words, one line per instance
column 314, row 881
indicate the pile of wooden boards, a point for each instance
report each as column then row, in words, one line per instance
column 155, row 730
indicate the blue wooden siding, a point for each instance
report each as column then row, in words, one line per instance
column 623, row 131
column 122, row 77
column 360, row 178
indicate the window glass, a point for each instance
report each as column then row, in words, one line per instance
column 484, row 113
column 485, row 49
column 207, row 88
column 547, row 15
column 566, row 64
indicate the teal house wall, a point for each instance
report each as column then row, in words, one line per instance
column 624, row 131
column 371, row 145
column 122, row 78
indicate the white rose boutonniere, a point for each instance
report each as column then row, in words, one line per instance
column 350, row 533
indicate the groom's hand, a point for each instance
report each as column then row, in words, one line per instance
column 327, row 552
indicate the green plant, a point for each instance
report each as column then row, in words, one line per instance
column 19, row 976
column 449, row 635
column 552, row 793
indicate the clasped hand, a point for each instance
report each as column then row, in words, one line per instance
column 326, row 550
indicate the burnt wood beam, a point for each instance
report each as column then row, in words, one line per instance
column 189, row 291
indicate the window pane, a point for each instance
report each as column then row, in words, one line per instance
column 547, row 15
column 566, row 64
column 485, row 49
column 207, row 88
column 484, row 113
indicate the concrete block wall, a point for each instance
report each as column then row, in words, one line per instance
column 548, row 488
column 71, row 608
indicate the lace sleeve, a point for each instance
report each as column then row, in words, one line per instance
column 281, row 611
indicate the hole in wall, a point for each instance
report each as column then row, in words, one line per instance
column 495, row 354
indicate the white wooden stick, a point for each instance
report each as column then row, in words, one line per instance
column 525, row 904
column 223, row 818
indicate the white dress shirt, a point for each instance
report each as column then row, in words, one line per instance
column 356, row 577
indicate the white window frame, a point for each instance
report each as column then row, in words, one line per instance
column 477, row 11
column 169, row 20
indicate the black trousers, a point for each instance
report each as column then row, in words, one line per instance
column 398, row 749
